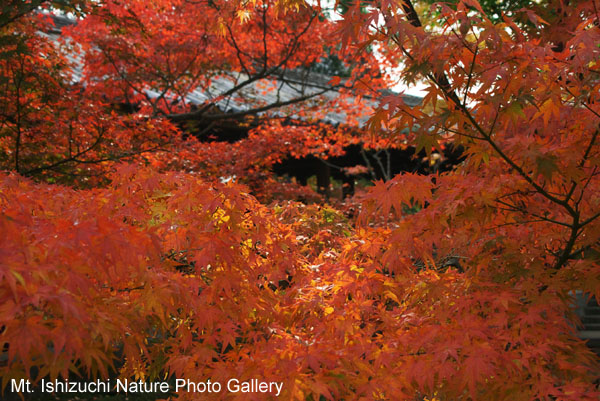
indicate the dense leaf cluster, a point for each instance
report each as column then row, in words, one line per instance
column 135, row 244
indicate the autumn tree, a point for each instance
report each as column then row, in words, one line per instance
column 239, row 72
column 452, row 286
column 183, row 73
column 54, row 128
column 517, row 219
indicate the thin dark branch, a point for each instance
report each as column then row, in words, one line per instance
column 257, row 110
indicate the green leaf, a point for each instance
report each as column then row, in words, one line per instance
column 546, row 166
column 514, row 111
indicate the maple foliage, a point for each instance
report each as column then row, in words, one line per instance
column 519, row 215
column 453, row 286
column 92, row 279
column 172, row 48
column 155, row 56
column 57, row 130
